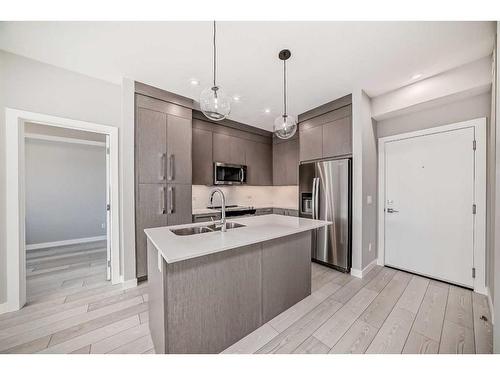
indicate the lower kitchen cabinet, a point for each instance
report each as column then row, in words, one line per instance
column 150, row 213
column 159, row 205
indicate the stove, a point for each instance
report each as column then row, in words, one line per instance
column 235, row 210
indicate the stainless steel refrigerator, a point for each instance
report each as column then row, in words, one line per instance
column 325, row 194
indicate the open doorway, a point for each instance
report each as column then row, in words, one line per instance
column 66, row 221
column 16, row 122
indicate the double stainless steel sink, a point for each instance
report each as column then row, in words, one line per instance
column 188, row 231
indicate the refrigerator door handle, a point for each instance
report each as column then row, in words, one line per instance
column 316, row 198
column 313, row 199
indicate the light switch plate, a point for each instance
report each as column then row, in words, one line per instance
column 368, row 199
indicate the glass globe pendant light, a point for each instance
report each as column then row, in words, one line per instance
column 214, row 103
column 285, row 126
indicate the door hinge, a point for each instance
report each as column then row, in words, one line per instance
column 474, row 209
column 474, row 145
column 473, row 273
column 108, row 207
column 109, row 263
column 107, row 150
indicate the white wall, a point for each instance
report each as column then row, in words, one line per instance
column 467, row 80
column 364, row 214
column 460, row 110
column 33, row 86
column 65, row 191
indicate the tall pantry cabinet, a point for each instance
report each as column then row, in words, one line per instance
column 163, row 167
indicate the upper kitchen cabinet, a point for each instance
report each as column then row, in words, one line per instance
column 228, row 149
column 151, row 145
column 163, row 141
column 202, row 156
column 311, row 143
column 285, row 161
column 232, row 143
column 326, row 131
column 178, row 159
column 258, row 157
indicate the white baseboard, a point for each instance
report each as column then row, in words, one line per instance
column 75, row 241
column 490, row 303
column 127, row 284
column 361, row 273
column 6, row 307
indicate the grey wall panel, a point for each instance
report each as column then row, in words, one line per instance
column 213, row 301
column 65, row 191
column 286, row 273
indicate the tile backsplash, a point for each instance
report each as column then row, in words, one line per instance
column 257, row 196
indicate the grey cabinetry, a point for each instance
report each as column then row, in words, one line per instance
column 178, row 197
column 232, row 143
column 178, row 158
column 163, row 135
column 337, row 138
column 311, row 143
column 150, row 213
column 259, row 163
column 285, row 162
column 326, row 135
column 202, row 157
column 228, row 149
column 151, row 145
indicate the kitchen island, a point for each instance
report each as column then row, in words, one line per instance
column 208, row 290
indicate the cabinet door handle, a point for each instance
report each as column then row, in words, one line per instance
column 171, row 166
column 171, row 206
column 162, row 201
column 162, row 166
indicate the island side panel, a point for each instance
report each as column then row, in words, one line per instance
column 286, row 273
column 156, row 298
column 214, row 300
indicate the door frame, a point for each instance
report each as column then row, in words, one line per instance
column 15, row 197
column 479, row 241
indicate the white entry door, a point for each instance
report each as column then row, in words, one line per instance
column 429, row 197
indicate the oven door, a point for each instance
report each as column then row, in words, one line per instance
column 229, row 174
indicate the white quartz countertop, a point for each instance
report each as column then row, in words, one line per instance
column 257, row 229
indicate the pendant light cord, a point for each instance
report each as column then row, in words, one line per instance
column 215, row 54
column 284, row 88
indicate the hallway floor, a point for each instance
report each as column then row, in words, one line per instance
column 72, row 309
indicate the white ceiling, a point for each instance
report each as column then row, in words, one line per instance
column 329, row 59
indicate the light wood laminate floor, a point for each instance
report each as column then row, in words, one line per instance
column 388, row 311
column 73, row 309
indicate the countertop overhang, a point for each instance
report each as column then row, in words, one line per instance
column 257, row 229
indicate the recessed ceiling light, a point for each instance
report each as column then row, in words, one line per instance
column 267, row 110
column 236, row 98
column 194, row 82
column 416, row 76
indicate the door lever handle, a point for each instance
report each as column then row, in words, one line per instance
column 391, row 210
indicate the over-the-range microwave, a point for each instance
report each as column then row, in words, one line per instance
column 229, row 174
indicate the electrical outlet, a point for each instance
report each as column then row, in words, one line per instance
column 369, row 199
